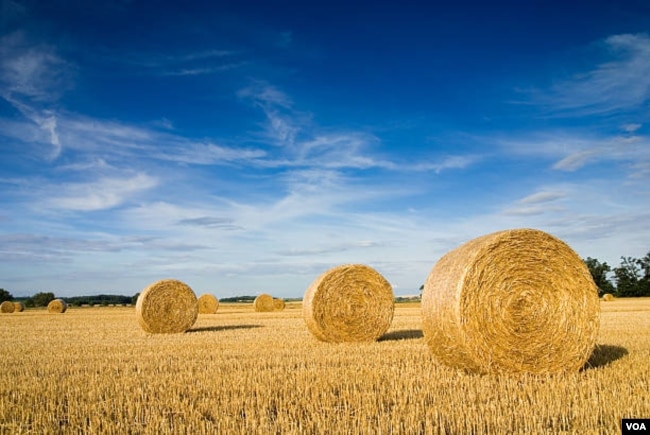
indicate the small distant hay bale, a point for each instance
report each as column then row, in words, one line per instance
column 349, row 303
column 19, row 307
column 57, row 306
column 278, row 304
column 208, row 304
column 167, row 306
column 608, row 297
column 515, row 301
column 7, row 307
column 264, row 303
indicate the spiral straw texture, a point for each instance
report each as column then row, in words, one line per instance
column 208, row 304
column 513, row 301
column 278, row 304
column 167, row 306
column 264, row 303
column 57, row 306
column 7, row 307
column 349, row 303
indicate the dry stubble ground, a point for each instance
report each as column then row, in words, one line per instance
column 93, row 370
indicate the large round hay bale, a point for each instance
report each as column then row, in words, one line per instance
column 349, row 303
column 608, row 297
column 57, row 306
column 167, row 306
column 264, row 303
column 7, row 307
column 19, row 307
column 208, row 304
column 512, row 301
column 278, row 304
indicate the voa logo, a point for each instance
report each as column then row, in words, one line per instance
column 635, row 426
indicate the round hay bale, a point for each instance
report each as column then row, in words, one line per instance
column 19, row 307
column 264, row 303
column 349, row 303
column 167, row 306
column 608, row 297
column 7, row 307
column 208, row 304
column 57, row 306
column 515, row 301
column 278, row 304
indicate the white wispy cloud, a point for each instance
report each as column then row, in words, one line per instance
column 303, row 143
column 202, row 70
column 544, row 201
column 571, row 150
column 30, row 70
column 543, row 197
column 619, row 84
column 101, row 194
column 448, row 162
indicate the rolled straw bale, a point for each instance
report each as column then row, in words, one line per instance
column 513, row 301
column 349, row 303
column 608, row 297
column 57, row 306
column 264, row 303
column 7, row 307
column 278, row 304
column 19, row 307
column 167, row 306
column 208, row 304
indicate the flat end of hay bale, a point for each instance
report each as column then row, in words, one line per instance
column 7, row 307
column 264, row 303
column 349, row 303
column 511, row 301
column 57, row 306
column 208, row 304
column 167, row 306
column 278, row 304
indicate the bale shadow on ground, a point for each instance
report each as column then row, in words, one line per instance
column 404, row 334
column 223, row 328
column 603, row 355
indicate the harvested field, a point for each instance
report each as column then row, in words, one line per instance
column 109, row 376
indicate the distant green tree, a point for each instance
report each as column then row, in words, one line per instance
column 42, row 299
column 628, row 276
column 644, row 281
column 599, row 274
column 5, row 295
column 134, row 299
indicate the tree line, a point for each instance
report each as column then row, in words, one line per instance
column 631, row 278
column 41, row 299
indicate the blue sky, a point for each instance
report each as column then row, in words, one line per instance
column 246, row 147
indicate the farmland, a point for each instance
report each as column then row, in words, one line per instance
column 238, row 371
